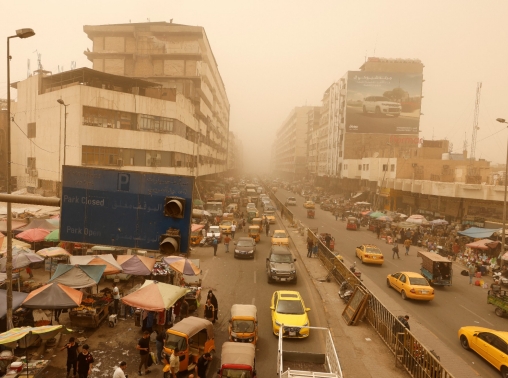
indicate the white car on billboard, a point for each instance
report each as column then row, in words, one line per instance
column 380, row 105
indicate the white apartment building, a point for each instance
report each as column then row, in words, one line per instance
column 108, row 121
column 289, row 151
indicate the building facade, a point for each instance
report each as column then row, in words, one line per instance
column 107, row 121
column 289, row 151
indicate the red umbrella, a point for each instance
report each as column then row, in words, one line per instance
column 33, row 235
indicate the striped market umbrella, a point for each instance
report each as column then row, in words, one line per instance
column 377, row 214
column 182, row 265
column 53, row 236
column 33, row 235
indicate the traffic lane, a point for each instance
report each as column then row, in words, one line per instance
column 453, row 307
column 244, row 281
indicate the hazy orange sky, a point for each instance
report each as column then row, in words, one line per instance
column 275, row 55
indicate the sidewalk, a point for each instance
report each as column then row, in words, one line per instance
column 361, row 351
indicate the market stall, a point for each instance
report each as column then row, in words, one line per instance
column 53, row 256
column 78, row 276
column 136, row 265
column 92, row 311
column 112, row 266
column 17, row 299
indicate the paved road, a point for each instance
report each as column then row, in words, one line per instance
column 453, row 307
column 244, row 281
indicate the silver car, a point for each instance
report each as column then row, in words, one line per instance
column 380, row 105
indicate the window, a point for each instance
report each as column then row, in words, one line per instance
column 402, row 278
column 366, row 167
column 359, row 167
column 385, row 167
column 392, row 168
column 30, row 163
column 30, row 130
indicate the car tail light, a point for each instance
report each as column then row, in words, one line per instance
column 413, row 291
column 432, row 292
column 367, row 256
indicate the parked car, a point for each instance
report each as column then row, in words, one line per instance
column 380, row 106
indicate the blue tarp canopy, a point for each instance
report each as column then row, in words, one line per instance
column 479, row 233
column 17, row 299
column 78, row 276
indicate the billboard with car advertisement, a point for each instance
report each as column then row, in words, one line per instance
column 383, row 102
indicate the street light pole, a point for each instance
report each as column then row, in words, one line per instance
column 21, row 33
column 502, row 120
column 61, row 102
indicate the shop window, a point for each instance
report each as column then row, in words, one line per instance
column 392, row 168
column 30, row 130
column 385, row 167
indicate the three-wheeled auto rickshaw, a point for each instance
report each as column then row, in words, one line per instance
column 352, row 224
column 243, row 324
column 237, row 361
column 251, row 215
column 192, row 337
column 311, row 213
column 436, row 269
column 258, row 222
column 196, row 233
column 254, row 233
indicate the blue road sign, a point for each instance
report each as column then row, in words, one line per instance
column 122, row 208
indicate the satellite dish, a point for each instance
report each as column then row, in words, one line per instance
column 375, row 155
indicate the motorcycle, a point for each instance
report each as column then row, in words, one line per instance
column 353, row 270
column 345, row 291
column 206, row 242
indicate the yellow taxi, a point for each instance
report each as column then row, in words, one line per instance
column 369, row 253
column 270, row 215
column 309, row 205
column 280, row 237
column 225, row 226
column 288, row 309
column 490, row 344
column 411, row 285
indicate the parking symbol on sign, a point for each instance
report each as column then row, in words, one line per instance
column 124, row 180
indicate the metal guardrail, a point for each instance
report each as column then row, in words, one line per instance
column 411, row 354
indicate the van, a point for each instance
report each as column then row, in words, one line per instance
column 192, row 337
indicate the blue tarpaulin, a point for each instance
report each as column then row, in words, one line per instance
column 479, row 233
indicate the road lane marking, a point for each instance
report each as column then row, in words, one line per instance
column 204, row 275
column 486, row 321
column 253, row 301
column 254, row 276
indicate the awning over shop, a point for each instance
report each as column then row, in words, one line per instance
column 357, row 195
column 78, row 276
column 479, row 233
column 483, row 244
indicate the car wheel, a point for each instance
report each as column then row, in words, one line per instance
column 362, row 260
column 388, row 283
column 504, row 372
column 500, row 312
column 464, row 343
column 295, row 281
column 403, row 294
column 378, row 111
column 269, row 279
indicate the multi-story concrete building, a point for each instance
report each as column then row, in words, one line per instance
column 107, row 121
column 289, row 151
column 313, row 119
column 178, row 57
column 235, row 154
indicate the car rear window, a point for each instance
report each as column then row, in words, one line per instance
column 418, row 281
column 373, row 250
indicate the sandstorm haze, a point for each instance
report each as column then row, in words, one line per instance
column 275, row 55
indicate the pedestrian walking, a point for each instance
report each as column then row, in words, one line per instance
column 471, row 270
column 209, row 311
column 267, row 228
column 116, row 297
column 378, row 230
column 395, row 250
column 144, row 352
column 233, row 230
column 29, row 272
column 184, row 309
column 215, row 303
column 202, row 365
column 310, row 245
column 315, row 249
column 215, row 245
column 120, row 370
column 336, row 213
column 243, row 225
column 85, row 362
column 72, row 356
column 405, row 321
column 227, row 239
column 174, row 363
column 159, row 344
column 407, row 244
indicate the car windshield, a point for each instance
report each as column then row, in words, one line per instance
column 418, row 281
column 372, row 250
column 290, row 307
column 235, row 373
column 226, row 223
column 243, row 326
column 279, row 235
column 285, row 258
column 174, row 341
column 214, row 229
column 291, row 199
column 244, row 243
column 269, row 213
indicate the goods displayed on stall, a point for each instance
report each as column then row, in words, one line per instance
column 92, row 311
column 112, row 266
column 78, row 276
column 162, row 273
column 23, row 338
